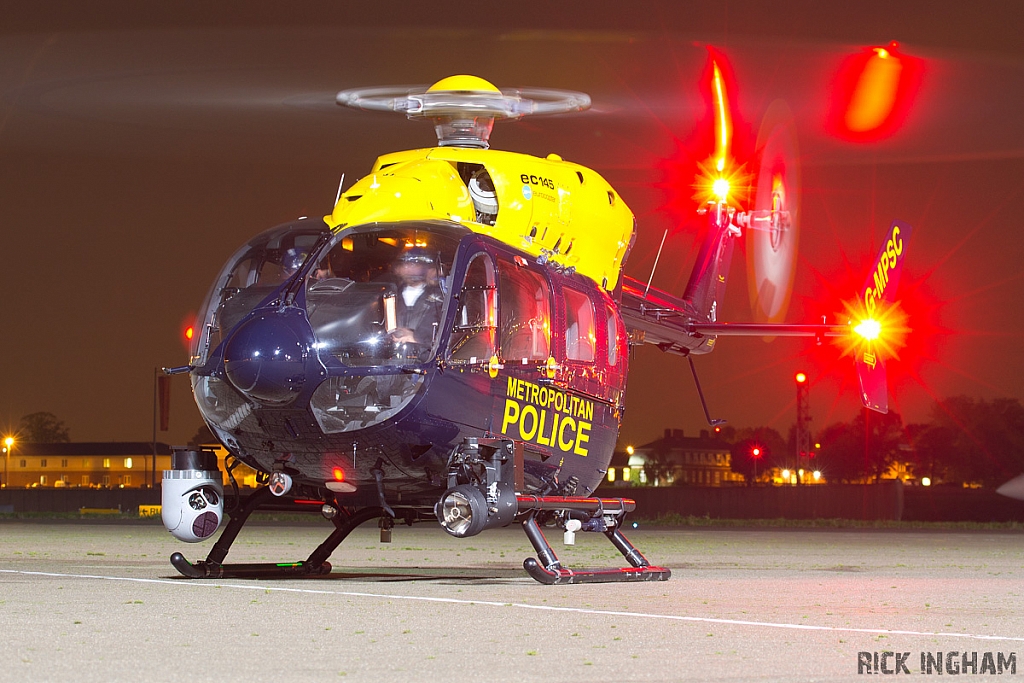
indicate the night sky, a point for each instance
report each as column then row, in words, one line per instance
column 139, row 147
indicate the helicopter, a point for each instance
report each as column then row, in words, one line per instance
column 451, row 343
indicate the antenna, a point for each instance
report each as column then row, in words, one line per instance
column 651, row 279
column 340, row 183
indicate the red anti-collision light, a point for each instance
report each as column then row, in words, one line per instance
column 801, row 378
column 339, row 474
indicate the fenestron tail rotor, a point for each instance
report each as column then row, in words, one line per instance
column 774, row 231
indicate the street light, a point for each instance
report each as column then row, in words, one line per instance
column 8, row 444
column 755, row 454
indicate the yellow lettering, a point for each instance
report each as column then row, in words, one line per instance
column 540, row 430
column 890, row 250
column 869, row 300
column 560, row 402
column 528, row 435
column 896, row 240
column 582, row 438
column 534, row 390
column 590, row 411
column 511, row 391
column 511, row 414
column 562, row 443
column 520, row 387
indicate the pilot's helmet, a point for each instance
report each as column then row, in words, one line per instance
column 417, row 255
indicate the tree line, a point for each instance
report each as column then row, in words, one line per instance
column 967, row 441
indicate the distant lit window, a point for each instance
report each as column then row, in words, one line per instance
column 85, row 480
column 64, row 462
column 127, row 463
column 625, row 474
column 22, row 464
column 64, row 478
column 611, row 474
column 42, row 480
column 106, row 463
column 127, row 479
column 42, row 463
column 86, row 463
column 106, row 480
column 643, row 477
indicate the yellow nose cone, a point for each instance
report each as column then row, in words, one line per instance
column 464, row 84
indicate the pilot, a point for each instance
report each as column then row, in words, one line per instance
column 419, row 298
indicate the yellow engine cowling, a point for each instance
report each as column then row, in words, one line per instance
column 546, row 207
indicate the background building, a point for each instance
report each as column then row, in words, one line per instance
column 675, row 460
column 115, row 464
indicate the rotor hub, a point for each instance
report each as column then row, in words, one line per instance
column 463, row 108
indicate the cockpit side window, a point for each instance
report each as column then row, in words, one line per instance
column 580, row 339
column 525, row 321
column 473, row 334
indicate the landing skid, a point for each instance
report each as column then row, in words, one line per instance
column 316, row 564
column 547, row 569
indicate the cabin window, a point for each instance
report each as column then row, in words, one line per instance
column 580, row 339
column 473, row 334
column 525, row 314
column 613, row 337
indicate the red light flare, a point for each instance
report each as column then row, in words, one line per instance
column 188, row 331
column 717, row 147
column 873, row 93
column 339, row 474
column 912, row 330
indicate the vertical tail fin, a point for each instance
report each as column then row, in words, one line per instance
column 879, row 289
column 706, row 286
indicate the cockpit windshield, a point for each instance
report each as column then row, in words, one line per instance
column 375, row 294
column 250, row 276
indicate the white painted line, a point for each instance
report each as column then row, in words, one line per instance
column 206, row 583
